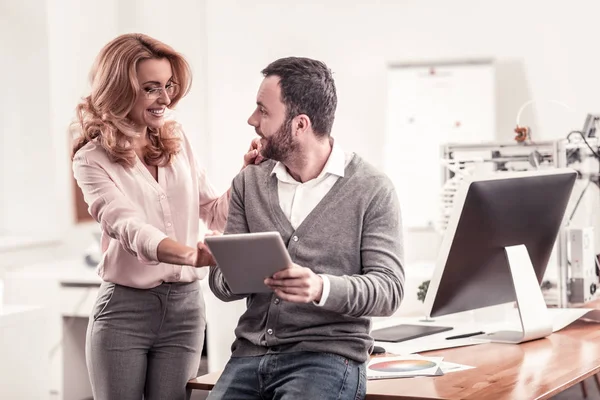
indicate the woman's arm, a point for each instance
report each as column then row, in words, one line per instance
column 172, row 252
column 213, row 208
column 122, row 221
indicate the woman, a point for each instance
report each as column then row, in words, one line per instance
column 142, row 185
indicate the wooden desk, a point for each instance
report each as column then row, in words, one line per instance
column 533, row 370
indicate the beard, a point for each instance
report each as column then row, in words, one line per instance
column 281, row 146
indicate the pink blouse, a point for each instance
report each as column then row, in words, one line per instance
column 136, row 212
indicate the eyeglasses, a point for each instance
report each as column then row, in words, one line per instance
column 154, row 93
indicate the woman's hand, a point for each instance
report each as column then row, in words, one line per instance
column 253, row 155
column 204, row 257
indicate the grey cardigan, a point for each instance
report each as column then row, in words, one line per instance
column 354, row 236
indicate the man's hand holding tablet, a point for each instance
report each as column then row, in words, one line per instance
column 296, row 284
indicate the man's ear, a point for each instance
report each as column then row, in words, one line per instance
column 302, row 123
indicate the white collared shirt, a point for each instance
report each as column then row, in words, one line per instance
column 298, row 199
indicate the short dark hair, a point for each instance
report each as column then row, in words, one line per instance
column 307, row 87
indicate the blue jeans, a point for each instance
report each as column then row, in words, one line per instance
column 292, row 376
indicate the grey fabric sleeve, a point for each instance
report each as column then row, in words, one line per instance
column 379, row 290
column 236, row 223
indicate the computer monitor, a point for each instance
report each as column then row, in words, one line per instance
column 497, row 245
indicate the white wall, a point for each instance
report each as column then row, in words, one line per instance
column 25, row 118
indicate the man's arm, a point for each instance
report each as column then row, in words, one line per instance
column 236, row 223
column 380, row 288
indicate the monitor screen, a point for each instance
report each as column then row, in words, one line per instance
column 491, row 213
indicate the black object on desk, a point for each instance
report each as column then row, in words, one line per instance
column 404, row 332
column 465, row 335
column 378, row 350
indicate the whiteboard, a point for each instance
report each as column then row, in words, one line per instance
column 429, row 105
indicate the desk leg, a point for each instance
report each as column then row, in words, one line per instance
column 76, row 384
column 583, row 389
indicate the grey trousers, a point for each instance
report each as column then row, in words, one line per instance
column 145, row 343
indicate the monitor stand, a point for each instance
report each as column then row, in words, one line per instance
column 533, row 312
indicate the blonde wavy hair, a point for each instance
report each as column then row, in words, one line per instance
column 102, row 116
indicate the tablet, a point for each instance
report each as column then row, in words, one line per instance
column 246, row 259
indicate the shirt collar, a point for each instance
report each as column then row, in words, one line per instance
column 335, row 165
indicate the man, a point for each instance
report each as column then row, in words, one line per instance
column 340, row 219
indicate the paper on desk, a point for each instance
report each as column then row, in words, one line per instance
column 593, row 315
column 390, row 367
column 562, row 317
column 448, row 367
